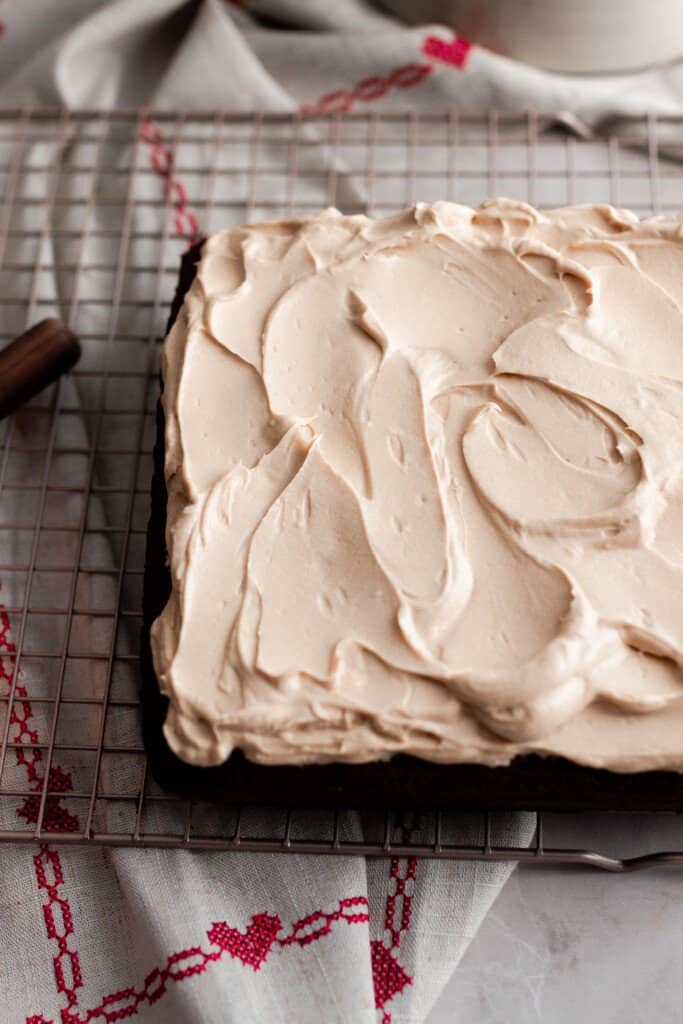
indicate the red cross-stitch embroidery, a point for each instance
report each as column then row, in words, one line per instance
column 315, row 925
column 389, row 978
column 163, row 161
column 455, row 52
column 342, row 101
column 46, row 863
column 56, row 818
column 251, row 947
column 58, row 925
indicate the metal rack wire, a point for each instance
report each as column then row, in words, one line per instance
column 96, row 210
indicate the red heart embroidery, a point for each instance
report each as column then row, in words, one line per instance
column 250, row 947
column 456, row 52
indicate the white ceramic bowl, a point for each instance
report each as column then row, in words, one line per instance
column 589, row 36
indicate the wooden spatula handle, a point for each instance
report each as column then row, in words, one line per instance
column 34, row 360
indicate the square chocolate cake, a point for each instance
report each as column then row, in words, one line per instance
column 420, row 485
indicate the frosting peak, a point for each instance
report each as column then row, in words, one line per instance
column 425, row 484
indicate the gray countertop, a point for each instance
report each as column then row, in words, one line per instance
column 566, row 944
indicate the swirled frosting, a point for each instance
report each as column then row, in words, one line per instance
column 425, row 481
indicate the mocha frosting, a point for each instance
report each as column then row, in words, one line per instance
column 425, row 481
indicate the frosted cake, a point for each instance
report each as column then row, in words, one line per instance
column 425, row 490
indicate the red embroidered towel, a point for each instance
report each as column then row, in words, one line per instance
column 103, row 935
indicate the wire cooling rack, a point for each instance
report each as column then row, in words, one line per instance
column 96, row 210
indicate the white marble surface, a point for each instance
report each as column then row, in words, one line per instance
column 568, row 945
